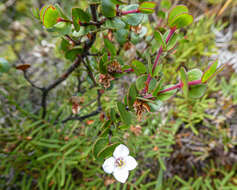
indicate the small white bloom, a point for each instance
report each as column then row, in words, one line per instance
column 120, row 163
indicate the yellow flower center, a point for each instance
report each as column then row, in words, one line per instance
column 119, row 162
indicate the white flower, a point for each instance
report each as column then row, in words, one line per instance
column 120, row 163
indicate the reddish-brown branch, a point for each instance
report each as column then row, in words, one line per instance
column 130, row 12
column 172, row 31
column 179, row 85
column 128, row 70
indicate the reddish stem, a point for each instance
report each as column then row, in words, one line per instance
column 157, row 59
column 171, row 88
column 195, row 82
column 172, row 31
column 130, row 12
column 63, row 20
column 148, row 82
column 179, row 85
column 128, row 70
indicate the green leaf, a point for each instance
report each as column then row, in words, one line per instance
column 142, row 177
column 105, row 132
column 110, row 47
column 4, row 65
column 179, row 9
column 124, row 127
column 36, row 12
column 184, row 80
column 42, row 10
column 121, row 36
column 107, row 124
column 166, row 95
column 181, row 20
column 50, row 16
column 194, row 74
column 118, row 2
column 152, row 85
column 102, row 64
column 155, row 105
column 76, row 19
column 132, row 95
column 108, row 8
column 125, row 99
column 99, row 144
column 84, row 31
column 158, row 87
column 62, row 28
column 113, row 115
column 159, row 38
column 73, row 53
column 138, row 67
column 209, row 72
column 147, row 7
column 52, row 171
column 65, row 45
column 218, row 71
column 157, row 70
column 47, row 145
column 197, row 91
column 63, row 171
column 107, row 151
column 140, row 82
column 173, row 41
column 165, row 4
column 83, row 16
column 49, row 155
column 115, row 23
column 57, row 6
column 70, row 151
column 132, row 19
column 161, row 14
column 125, row 115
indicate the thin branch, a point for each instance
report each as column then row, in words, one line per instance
column 44, row 102
column 17, row 54
column 72, row 41
column 58, row 81
column 90, row 72
column 25, row 71
column 81, row 118
column 93, row 113
column 82, row 23
column 94, row 54
column 31, row 82
column 79, row 83
column 45, row 90
column 65, row 75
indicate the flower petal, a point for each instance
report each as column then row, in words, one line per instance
column 108, row 165
column 130, row 163
column 121, row 151
column 121, row 175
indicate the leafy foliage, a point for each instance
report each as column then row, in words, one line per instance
column 86, row 76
